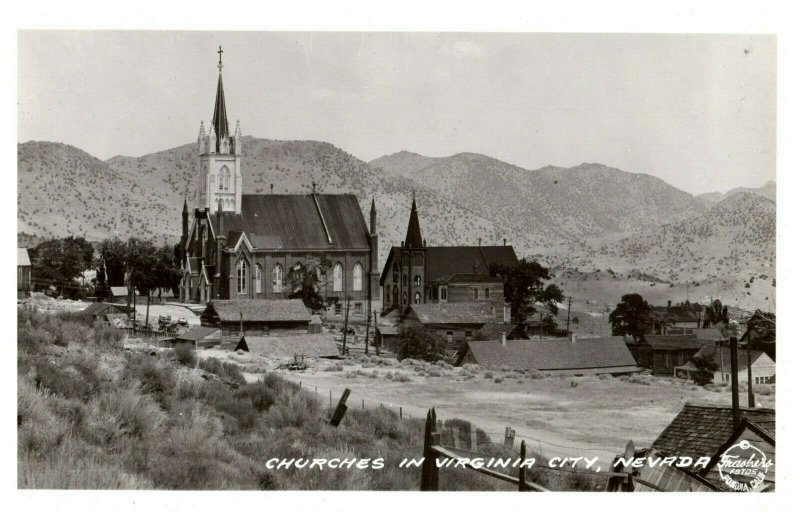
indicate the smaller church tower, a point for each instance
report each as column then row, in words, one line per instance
column 374, row 270
column 220, row 179
column 412, row 261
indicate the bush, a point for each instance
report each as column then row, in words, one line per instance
column 155, row 377
column 260, row 395
column 185, row 355
column 418, row 342
column 225, row 370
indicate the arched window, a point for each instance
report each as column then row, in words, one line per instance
column 258, row 278
column 417, row 298
column 211, row 181
column 388, row 296
column 225, row 178
column 394, row 295
column 241, row 277
column 405, row 297
column 395, row 273
column 475, row 294
column 337, row 277
column 405, row 280
column 357, row 273
column 417, row 281
column 277, row 278
column 486, row 293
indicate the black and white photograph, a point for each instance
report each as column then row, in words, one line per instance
column 397, row 260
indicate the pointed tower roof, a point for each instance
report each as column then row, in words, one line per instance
column 414, row 234
column 220, row 119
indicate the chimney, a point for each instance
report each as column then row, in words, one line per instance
column 271, row 186
column 503, row 338
column 735, row 380
column 504, row 242
column 479, row 242
column 574, row 337
column 669, row 304
column 313, row 187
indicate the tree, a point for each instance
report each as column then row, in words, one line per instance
column 631, row 316
column 414, row 340
column 523, row 285
column 307, row 282
column 761, row 332
column 715, row 314
column 706, row 366
column 60, row 261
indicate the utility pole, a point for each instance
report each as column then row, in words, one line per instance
column 344, row 338
column 569, row 310
column 366, row 336
column 751, row 397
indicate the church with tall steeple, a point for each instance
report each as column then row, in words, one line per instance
column 237, row 244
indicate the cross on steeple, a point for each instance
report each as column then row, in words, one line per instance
column 220, row 58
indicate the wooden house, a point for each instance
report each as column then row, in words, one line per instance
column 662, row 354
column 253, row 318
column 98, row 310
column 23, row 273
column 456, row 322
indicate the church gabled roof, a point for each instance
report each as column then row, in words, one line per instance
column 299, row 222
column 443, row 262
column 414, row 234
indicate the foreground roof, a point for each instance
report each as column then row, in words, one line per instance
column 589, row 354
column 309, row 345
column 299, row 221
column 477, row 313
column 260, row 310
column 700, row 430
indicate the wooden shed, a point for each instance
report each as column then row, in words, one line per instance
column 253, row 318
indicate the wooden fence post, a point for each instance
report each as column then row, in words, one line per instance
column 473, row 438
column 628, row 469
column 522, row 486
column 509, row 440
column 401, row 412
column 430, row 473
column 341, row 408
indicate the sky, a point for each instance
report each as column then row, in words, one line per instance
column 698, row 111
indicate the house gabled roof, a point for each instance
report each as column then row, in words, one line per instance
column 23, row 260
column 260, row 310
column 673, row 343
column 121, row 291
column 299, row 222
column 710, row 333
column 99, row 307
column 584, row 354
column 446, row 261
column 197, row 333
column 699, row 430
column 470, row 278
column 454, row 313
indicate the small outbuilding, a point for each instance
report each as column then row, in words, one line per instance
column 198, row 337
column 99, row 310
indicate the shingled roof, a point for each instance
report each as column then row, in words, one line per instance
column 259, row 310
column 299, row 221
column 671, row 343
column 700, row 430
column 453, row 313
column 588, row 355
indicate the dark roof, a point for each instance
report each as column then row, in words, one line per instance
column 413, row 234
column 710, row 333
column 677, row 342
column 444, row 261
column 470, row 278
column 299, row 221
column 588, row 354
column 494, row 331
column 723, row 359
column 220, row 118
column 197, row 333
column 99, row 307
column 676, row 313
column 700, row 430
column 455, row 313
column 260, row 310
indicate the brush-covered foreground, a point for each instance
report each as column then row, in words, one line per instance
column 92, row 415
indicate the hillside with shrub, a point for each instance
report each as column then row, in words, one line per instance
column 93, row 415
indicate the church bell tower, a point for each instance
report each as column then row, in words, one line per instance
column 220, row 179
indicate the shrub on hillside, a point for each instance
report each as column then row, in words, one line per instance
column 185, row 356
column 154, row 377
column 225, row 370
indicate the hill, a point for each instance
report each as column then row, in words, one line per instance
column 767, row 191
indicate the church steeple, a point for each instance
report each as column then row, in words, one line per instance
column 220, row 119
column 414, row 234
